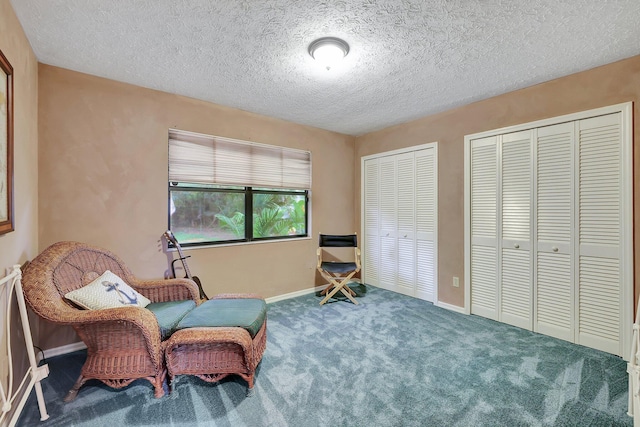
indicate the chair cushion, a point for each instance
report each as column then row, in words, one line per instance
column 169, row 314
column 247, row 313
column 338, row 267
column 107, row 291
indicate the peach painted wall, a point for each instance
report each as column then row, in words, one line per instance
column 103, row 170
column 607, row 85
column 103, row 181
column 20, row 245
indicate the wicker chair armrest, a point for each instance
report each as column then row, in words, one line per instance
column 128, row 320
column 211, row 336
column 237, row 296
column 161, row 290
column 136, row 315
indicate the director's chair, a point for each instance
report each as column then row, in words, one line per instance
column 338, row 273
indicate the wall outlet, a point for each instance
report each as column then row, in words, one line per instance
column 456, row 282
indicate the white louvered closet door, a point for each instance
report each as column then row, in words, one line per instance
column 406, row 224
column 561, row 195
column 600, row 295
column 554, row 293
column 516, row 287
column 388, row 270
column 399, row 220
column 371, row 249
column 484, row 236
column 426, row 216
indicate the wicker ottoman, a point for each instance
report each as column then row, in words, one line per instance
column 226, row 335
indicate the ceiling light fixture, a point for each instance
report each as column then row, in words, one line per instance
column 328, row 51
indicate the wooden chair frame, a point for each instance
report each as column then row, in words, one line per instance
column 338, row 281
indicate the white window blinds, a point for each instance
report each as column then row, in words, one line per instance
column 204, row 159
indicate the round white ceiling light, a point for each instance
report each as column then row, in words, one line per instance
column 328, row 51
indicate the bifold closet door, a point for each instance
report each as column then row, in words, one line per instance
column 400, row 221
column 388, row 267
column 515, row 281
column 502, row 284
column 406, row 193
column 550, row 224
column 425, row 225
column 600, row 296
column 554, row 290
column 371, row 248
column 484, row 231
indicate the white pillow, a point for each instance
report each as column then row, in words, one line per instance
column 107, row 291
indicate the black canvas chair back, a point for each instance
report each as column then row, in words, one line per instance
column 338, row 241
column 338, row 273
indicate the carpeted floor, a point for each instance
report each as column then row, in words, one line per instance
column 390, row 361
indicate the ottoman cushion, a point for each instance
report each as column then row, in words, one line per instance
column 169, row 314
column 247, row 313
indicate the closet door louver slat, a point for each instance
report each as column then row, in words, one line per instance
column 554, row 296
column 425, row 277
column 515, row 304
column 406, row 266
column 405, row 190
column 388, row 262
column 483, row 188
column 484, row 281
column 388, row 206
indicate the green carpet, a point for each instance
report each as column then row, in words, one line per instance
column 390, row 361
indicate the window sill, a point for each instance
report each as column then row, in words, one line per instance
column 255, row 242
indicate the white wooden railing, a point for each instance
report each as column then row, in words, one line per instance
column 35, row 373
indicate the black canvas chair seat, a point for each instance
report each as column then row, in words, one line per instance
column 338, row 267
column 338, row 273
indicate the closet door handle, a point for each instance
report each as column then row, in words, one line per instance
column 554, row 249
column 405, row 236
column 517, row 246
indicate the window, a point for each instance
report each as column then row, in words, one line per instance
column 223, row 190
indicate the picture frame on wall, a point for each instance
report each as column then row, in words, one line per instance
column 6, row 145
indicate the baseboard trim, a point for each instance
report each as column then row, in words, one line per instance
column 295, row 294
column 450, row 307
column 59, row 351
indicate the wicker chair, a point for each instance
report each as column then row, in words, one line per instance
column 124, row 343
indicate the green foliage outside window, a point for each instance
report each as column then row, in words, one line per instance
column 269, row 219
column 203, row 216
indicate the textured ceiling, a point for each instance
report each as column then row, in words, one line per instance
column 408, row 58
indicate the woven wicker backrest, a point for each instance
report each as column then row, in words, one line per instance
column 83, row 265
column 63, row 267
